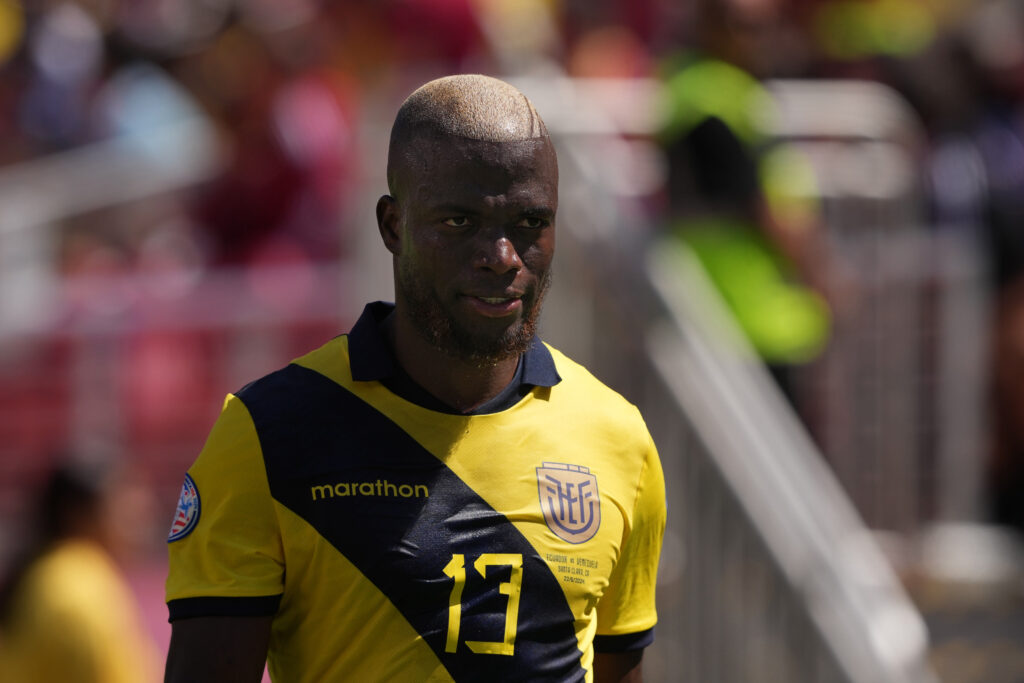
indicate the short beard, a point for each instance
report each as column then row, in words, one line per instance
column 429, row 318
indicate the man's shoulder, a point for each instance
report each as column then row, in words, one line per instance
column 576, row 374
column 328, row 361
column 582, row 387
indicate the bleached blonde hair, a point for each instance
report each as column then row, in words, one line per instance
column 469, row 106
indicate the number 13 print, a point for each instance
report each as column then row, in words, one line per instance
column 456, row 569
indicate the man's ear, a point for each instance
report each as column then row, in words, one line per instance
column 388, row 220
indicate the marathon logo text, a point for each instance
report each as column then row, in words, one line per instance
column 381, row 487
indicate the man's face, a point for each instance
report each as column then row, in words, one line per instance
column 476, row 235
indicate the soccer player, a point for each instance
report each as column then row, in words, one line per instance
column 437, row 495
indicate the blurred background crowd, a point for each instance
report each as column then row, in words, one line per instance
column 186, row 197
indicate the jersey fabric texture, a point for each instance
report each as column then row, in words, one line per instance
column 395, row 542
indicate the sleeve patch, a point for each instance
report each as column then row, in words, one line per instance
column 187, row 515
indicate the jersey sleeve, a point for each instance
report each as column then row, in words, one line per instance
column 225, row 551
column 626, row 612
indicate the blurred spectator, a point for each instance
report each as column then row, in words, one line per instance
column 292, row 125
column 66, row 54
column 66, row 611
column 967, row 88
column 761, row 265
column 994, row 59
column 446, row 32
column 854, row 31
column 760, row 37
column 610, row 52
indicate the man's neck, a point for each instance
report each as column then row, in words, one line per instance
column 462, row 385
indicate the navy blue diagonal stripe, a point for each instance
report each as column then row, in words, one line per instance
column 314, row 432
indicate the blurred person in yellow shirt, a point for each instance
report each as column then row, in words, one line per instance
column 66, row 611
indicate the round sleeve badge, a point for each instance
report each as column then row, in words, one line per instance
column 187, row 514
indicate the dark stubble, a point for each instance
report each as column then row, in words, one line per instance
column 435, row 325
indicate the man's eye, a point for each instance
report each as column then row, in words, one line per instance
column 532, row 222
column 457, row 221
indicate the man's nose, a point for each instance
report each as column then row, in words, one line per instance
column 497, row 252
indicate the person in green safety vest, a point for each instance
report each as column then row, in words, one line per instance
column 742, row 208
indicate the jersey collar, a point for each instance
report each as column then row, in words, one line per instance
column 370, row 357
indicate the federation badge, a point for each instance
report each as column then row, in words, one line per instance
column 569, row 501
column 187, row 514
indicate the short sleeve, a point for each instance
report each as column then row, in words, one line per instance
column 225, row 550
column 626, row 613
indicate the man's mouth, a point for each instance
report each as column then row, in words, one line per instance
column 495, row 306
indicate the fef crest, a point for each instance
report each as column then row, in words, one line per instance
column 569, row 501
